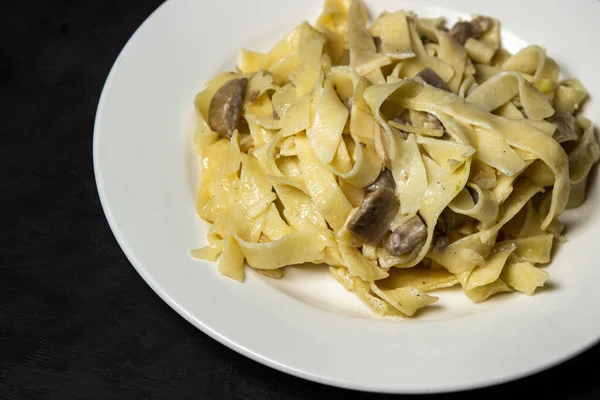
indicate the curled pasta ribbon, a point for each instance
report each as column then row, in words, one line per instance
column 423, row 58
column 320, row 182
column 570, row 94
column 523, row 191
column 409, row 174
column 490, row 271
column 362, row 289
column 363, row 53
column 581, row 159
column 533, row 60
column 407, row 300
column 393, row 31
column 376, row 95
column 463, row 255
column 517, row 134
column 485, row 209
column 447, row 154
column 364, row 165
column 454, row 55
column 503, row 87
column 325, row 132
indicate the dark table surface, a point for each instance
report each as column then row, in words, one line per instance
column 76, row 320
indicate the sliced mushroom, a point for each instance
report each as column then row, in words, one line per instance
column 480, row 25
column 226, row 106
column 462, row 31
column 407, row 238
column 427, row 76
column 372, row 220
column 565, row 126
column 385, row 179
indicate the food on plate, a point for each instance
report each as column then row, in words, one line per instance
column 404, row 154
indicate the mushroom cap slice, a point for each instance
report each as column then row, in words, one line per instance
column 372, row 220
column 225, row 107
column 461, row 31
column 407, row 237
column 480, row 25
column 429, row 77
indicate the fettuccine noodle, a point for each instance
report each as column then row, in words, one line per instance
column 405, row 156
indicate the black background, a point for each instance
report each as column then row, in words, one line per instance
column 76, row 320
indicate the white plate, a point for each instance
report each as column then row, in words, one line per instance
column 306, row 324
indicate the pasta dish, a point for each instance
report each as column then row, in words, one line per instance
column 403, row 154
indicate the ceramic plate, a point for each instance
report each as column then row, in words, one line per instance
column 306, row 324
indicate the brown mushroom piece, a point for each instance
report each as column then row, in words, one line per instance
column 462, row 31
column 385, row 179
column 372, row 220
column 427, row 76
column 480, row 25
column 565, row 126
column 225, row 107
column 407, row 238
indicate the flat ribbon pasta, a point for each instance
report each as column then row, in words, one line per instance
column 502, row 87
column 363, row 53
column 533, row 60
column 484, row 210
column 392, row 29
column 323, row 189
column 409, row 174
column 515, row 133
column 405, row 154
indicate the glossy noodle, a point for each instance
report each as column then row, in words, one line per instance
column 405, row 155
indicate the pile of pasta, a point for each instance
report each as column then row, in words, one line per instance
column 467, row 155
